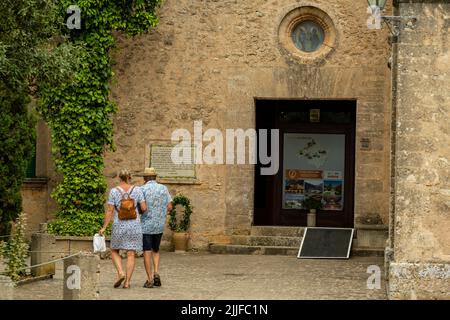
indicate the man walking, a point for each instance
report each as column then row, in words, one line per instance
column 153, row 220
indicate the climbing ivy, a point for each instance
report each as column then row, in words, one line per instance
column 79, row 114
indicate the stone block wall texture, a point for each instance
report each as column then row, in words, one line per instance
column 208, row 60
column 81, row 277
column 37, row 202
column 422, row 192
column 42, row 250
column 6, row 288
column 35, row 199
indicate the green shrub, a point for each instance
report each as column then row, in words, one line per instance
column 185, row 220
column 15, row 250
column 17, row 132
column 311, row 203
column 29, row 58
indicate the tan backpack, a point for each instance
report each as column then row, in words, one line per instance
column 127, row 209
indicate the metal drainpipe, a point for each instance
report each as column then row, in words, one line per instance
column 394, row 74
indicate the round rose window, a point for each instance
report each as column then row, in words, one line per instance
column 308, row 36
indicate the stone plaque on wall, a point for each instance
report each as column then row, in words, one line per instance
column 160, row 159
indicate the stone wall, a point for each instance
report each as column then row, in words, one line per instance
column 208, row 60
column 34, row 205
column 422, row 193
column 37, row 203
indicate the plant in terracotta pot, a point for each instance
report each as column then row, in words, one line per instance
column 180, row 228
column 312, row 205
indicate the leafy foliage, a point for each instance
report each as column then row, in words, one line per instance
column 16, row 130
column 29, row 57
column 15, row 251
column 185, row 221
column 79, row 114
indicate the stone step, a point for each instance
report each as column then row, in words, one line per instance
column 272, row 231
column 283, row 250
column 367, row 252
column 243, row 249
column 270, row 241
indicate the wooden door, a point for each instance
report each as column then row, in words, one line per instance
column 316, row 161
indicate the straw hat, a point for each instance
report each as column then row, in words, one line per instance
column 149, row 172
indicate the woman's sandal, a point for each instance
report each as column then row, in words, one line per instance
column 126, row 287
column 119, row 282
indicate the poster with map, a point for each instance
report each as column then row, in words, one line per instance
column 313, row 166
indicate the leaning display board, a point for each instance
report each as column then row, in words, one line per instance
column 326, row 243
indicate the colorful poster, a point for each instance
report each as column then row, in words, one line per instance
column 315, row 159
column 294, row 186
column 333, row 196
column 330, row 175
column 313, row 153
column 314, row 189
column 303, row 174
column 294, row 190
column 293, row 201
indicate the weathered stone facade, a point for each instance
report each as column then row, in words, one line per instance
column 421, row 221
column 37, row 202
column 208, row 60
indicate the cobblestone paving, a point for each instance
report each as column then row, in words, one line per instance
column 209, row 276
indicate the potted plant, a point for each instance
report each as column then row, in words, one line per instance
column 180, row 229
column 312, row 205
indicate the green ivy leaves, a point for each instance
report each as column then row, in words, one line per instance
column 79, row 114
column 185, row 221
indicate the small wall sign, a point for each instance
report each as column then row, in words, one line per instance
column 314, row 115
column 365, row 143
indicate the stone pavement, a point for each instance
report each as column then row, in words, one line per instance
column 209, row 276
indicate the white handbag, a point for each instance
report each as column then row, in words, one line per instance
column 99, row 243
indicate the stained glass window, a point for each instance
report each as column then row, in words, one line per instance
column 308, row 36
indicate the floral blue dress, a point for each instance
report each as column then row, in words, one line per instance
column 126, row 234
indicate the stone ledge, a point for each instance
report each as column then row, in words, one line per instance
column 78, row 238
column 35, row 183
column 419, row 281
column 34, row 279
column 179, row 181
column 366, row 252
column 282, row 250
column 373, row 236
column 397, row 2
column 252, row 250
column 371, row 227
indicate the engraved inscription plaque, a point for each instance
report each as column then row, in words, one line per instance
column 161, row 160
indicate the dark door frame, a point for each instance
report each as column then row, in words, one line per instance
column 268, row 189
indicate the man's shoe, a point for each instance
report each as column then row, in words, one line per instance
column 148, row 284
column 157, row 280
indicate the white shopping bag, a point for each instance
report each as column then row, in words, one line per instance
column 99, row 243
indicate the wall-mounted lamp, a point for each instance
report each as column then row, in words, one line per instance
column 395, row 23
column 378, row 3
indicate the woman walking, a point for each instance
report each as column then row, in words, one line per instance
column 126, row 229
